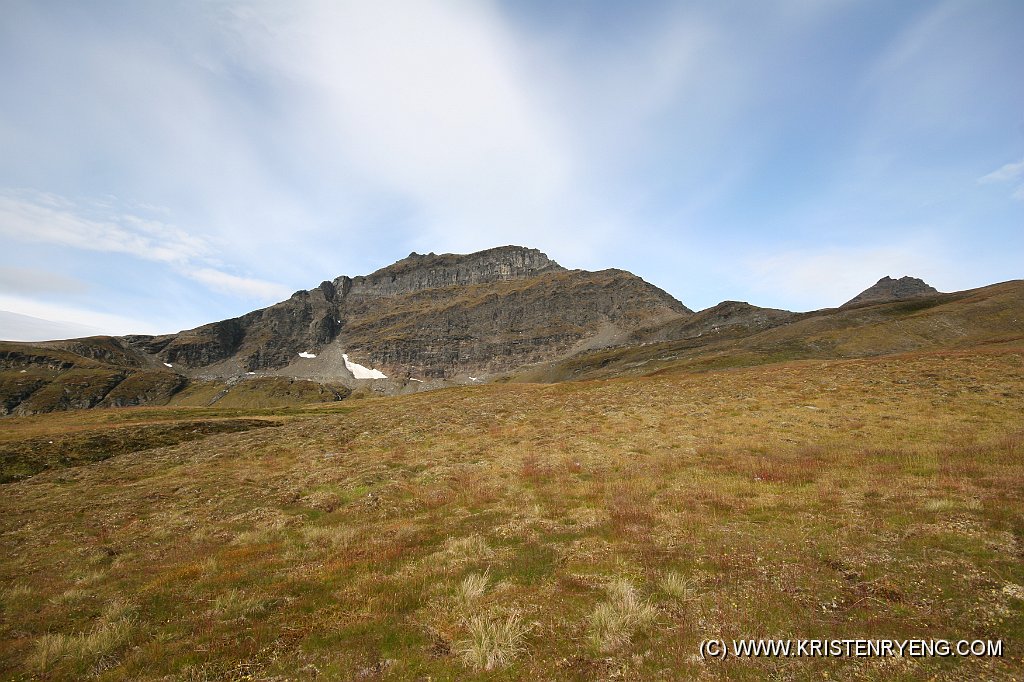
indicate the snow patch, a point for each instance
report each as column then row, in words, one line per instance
column 360, row 372
column 473, row 379
column 306, row 355
column 167, row 364
column 250, row 373
column 416, row 380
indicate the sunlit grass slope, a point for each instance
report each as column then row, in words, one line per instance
column 586, row 530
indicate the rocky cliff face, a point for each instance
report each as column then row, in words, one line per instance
column 418, row 272
column 888, row 289
column 423, row 321
column 489, row 328
column 430, row 315
column 79, row 374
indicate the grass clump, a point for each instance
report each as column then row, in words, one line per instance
column 472, row 588
column 458, row 551
column 338, row 537
column 235, row 604
column 614, row 622
column 112, row 631
column 493, row 642
column 676, row 586
column 18, row 598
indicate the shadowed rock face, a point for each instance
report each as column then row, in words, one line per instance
column 888, row 289
column 435, row 315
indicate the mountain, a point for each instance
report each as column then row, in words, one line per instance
column 991, row 316
column 727, row 319
column 504, row 314
column 426, row 317
column 423, row 322
column 888, row 289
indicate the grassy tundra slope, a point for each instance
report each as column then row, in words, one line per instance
column 584, row 530
column 992, row 315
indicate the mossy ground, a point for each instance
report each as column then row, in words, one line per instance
column 592, row 530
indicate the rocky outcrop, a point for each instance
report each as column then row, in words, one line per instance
column 418, row 272
column 728, row 318
column 888, row 289
column 433, row 315
column 495, row 327
column 144, row 388
column 429, row 317
column 103, row 349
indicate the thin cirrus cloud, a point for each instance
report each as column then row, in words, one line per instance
column 1011, row 173
column 49, row 219
column 233, row 284
column 53, row 220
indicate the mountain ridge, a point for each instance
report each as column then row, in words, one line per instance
column 509, row 313
column 888, row 289
column 440, row 316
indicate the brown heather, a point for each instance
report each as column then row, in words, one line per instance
column 586, row 530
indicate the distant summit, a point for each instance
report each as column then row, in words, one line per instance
column 888, row 289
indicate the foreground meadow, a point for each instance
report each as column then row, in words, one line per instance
column 592, row 530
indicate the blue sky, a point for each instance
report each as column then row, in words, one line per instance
column 167, row 164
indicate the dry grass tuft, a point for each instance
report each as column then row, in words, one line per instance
column 338, row 537
column 70, row 596
column 472, row 587
column 533, row 469
column 614, row 622
column 17, row 598
column 113, row 630
column 17, row 592
column 675, row 585
column 458, row 551
column 91, row 578
column 236, row 604
column 493, row 642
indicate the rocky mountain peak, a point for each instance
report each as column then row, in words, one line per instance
column 427, row 316
column 417, row 271
column 888, row 289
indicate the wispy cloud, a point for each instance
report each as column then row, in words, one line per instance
column 426, row 102
column 53, row 220
column 238, row 286
column 47, row 218
column 1009, row 173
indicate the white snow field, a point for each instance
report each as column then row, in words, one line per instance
column 360, row 372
